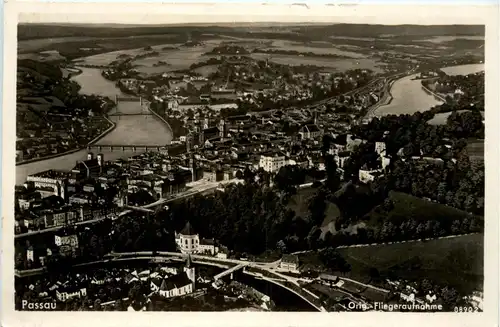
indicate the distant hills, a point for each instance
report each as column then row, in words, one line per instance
column 306, row 30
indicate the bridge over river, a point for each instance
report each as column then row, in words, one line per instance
column 130, row 106
column 137, row 129
column 257, row 271
column 135, row 126
column 126, row 147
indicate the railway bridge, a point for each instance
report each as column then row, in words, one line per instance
column 127, row 147
column 130, row 106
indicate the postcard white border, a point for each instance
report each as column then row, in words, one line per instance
column 369, row 14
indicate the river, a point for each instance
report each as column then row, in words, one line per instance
column 463, row 69
column 140, row 130
column 92, row 82
column 407, row 94
column 408, row 97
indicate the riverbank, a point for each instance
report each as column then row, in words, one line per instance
column 70, row 73
column 106, row 132
column 404, row 96
column 162, row 119
column 112, row 127
column 134, row 129
column 428, row 91
column 385, row 100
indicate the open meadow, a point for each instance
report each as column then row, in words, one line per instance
column 457, row 261
column 52, row 55
column 26, row 46
column 406, row 206
column 447, row 38
column 177, row 59
column 320, row 48
column 329, row 64
column 206, row 70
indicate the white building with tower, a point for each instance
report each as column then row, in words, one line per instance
column 189, row 242
column 176, row 285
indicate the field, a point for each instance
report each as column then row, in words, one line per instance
column 79, row 47
column 407, row 206
column 177, row 58
column 441, row 118
column 104, row 59
column 323, row 48
column 463, row 69
column 358, row 51
column 181, row 58
column 440, row 39
column 328, row 63
column 456, row 261
column 25, row 46
column 300, row 201
column 206, row 70
column 42, row 56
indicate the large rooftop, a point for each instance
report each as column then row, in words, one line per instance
column 51, row 173
column 188, row 230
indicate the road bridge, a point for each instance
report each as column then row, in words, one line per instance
column 260, row 271
column 127, row 147
column 141, row 209
column 130, row 114
column 230, row 271
column 204, row 260
column 130, row 106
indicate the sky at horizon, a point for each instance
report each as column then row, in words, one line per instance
column 157, row 14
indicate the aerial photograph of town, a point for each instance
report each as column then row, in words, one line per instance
column 250, row 167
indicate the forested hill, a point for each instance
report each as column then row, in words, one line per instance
column 41, row 31
column 46, row 69
column 366, row 30
column 37, row 31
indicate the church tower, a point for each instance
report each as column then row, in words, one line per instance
column 189, row 142
column 189, row 270
column 192, row 167
column 222, row 129
column 201, row 137
column 123, row 196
